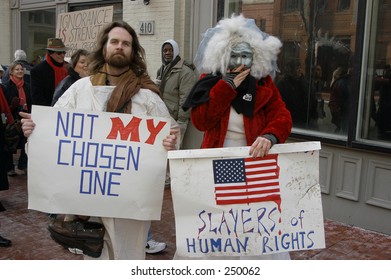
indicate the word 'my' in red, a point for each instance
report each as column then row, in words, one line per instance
column 132, row 130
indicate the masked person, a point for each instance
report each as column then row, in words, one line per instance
column 236, row 103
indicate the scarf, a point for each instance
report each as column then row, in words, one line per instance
column 127, row 85
column 165, row 71
column 245, row 99
column 60, row 71
column 22, row 95
column 199, row 94
column 243, row 102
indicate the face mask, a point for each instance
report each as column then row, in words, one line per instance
column 241, row 54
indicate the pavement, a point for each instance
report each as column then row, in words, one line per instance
column 27, row 229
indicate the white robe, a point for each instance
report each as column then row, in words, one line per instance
column 125, row 239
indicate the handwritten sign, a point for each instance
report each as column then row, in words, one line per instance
column 228, row 204
column 97, row 163
column 79, row 30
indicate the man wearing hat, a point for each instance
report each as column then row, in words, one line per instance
column 47, row 74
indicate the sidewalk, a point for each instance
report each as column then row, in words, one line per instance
column 31, row 240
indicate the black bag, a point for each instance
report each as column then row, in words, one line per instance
column 12, row 133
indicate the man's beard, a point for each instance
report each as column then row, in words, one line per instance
column 118, row 60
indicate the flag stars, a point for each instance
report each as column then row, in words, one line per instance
column 229, row 171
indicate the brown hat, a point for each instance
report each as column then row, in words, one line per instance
column 56, row 45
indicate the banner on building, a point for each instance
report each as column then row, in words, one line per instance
column 229, row 204
column 97, row 163
column 80, row 29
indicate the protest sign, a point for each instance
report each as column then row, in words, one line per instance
column 80, row 29
column 97, row 163
column 229, row 204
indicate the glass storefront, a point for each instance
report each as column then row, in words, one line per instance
column 376, row 101
column 317, row 78
column 316, row 59
column 38, row 26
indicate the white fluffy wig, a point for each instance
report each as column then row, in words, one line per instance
column 215, row 48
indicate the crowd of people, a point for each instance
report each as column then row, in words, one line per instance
column 228, row 94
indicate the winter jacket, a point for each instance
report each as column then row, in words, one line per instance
column 11, row 92
column 42, row 84
column 270, row 114
column 72, row 77
column 179, row 80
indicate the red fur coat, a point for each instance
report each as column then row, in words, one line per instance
column 270, row 115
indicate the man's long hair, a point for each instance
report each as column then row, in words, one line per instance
column 137, row 63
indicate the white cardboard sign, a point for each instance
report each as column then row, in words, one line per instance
column 228, row 204
column 97, row 163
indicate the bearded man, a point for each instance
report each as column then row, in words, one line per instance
column 119, row 83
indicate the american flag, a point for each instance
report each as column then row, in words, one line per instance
column 247, row 180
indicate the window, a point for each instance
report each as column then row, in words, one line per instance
column 328, row 97
column 316, row 77
column 376, row 106
column 343, row 5
column 316, row 68
column 262, row 24
column 38, row 26
column 292, row 5
column 226, row 8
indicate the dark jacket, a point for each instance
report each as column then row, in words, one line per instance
column 11, row 92
column 72, row 77
column 340, row 98
column 294, row 92
column 42, row 83
column 3, row 160
column 270, row 114
column 383, row 115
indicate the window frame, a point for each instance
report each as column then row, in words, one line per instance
column 352, row 139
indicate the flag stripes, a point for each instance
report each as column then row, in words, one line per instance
column 243, row 181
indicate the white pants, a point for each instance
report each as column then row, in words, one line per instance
column 125, row 239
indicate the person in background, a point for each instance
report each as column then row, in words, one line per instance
column 383, row 114
column 6, row 117
column 49, row 73
column 78, row 68
column 118, row 67
column 175, row 78
column 236, row 103
column 17, row 92
column 20, row 57
column 318, row 86
column 37, row 60
column 340, row 97
column 294, row 91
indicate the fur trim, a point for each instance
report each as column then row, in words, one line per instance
column 231, row 31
